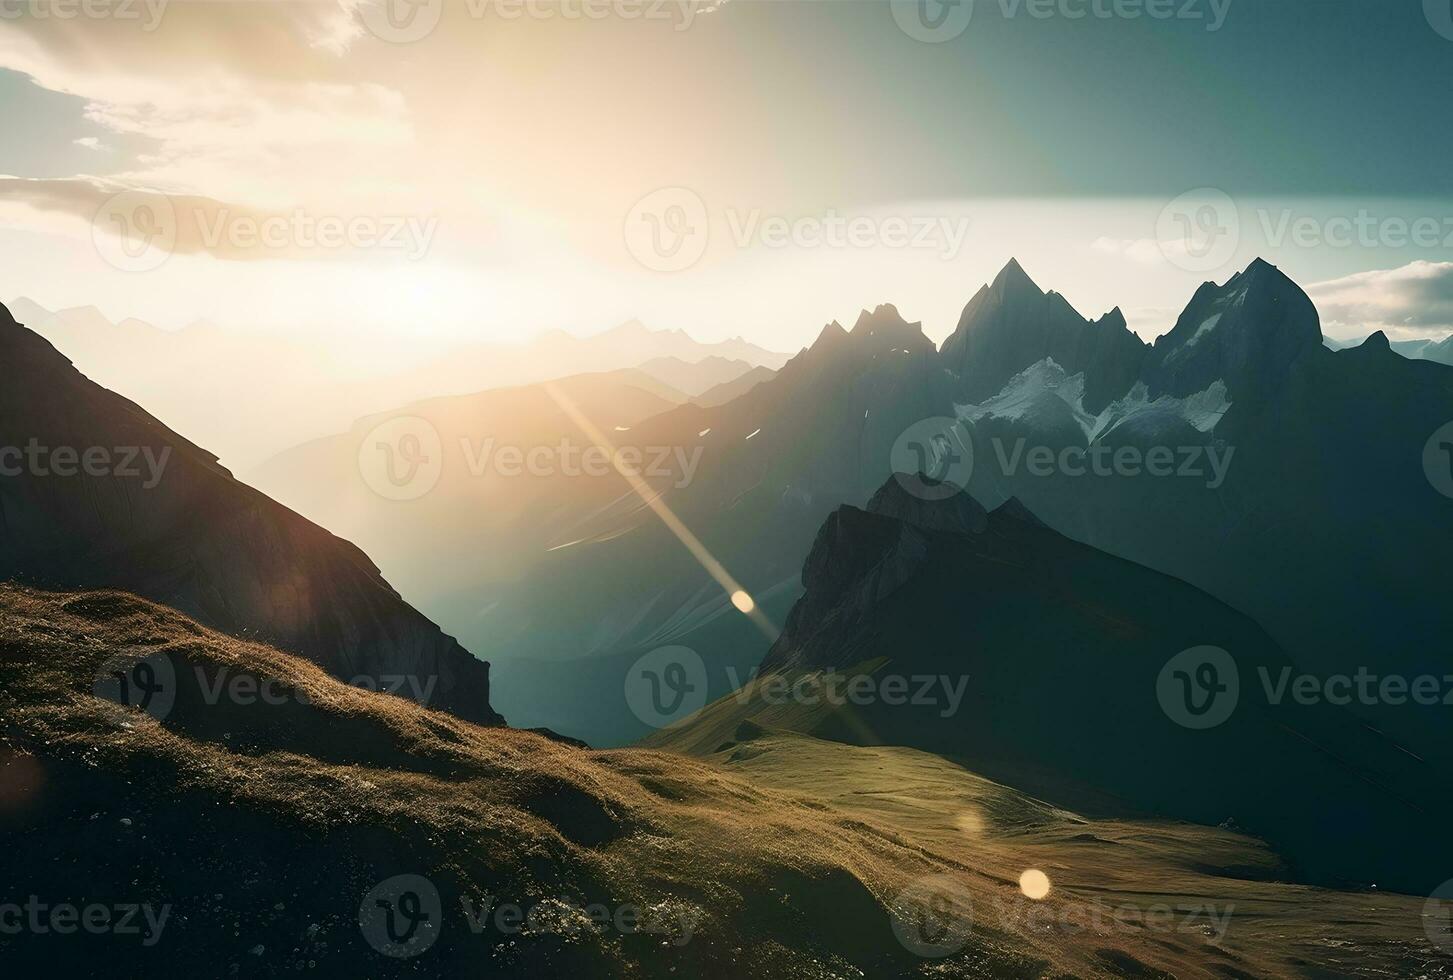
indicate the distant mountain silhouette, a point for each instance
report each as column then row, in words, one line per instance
column 195, row 377
column 1425, row 349
column 180, row 530
column 697, row 378
column 725, row 392
column 480, row 522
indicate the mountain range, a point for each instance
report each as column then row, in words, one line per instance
column 194, row 378
column 1296, row 480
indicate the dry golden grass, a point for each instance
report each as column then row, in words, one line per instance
column 788, row 852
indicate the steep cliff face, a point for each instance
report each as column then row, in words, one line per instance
column 1247, row 333
column 94, row 492
column 1061, row 652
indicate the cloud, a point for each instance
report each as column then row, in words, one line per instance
column 1144, row 251
column 1410, row 302
column 127, row 224
column 230, row 100
column 91, row 143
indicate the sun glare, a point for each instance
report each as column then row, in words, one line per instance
column 1034, row 884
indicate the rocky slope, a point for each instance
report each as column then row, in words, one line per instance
column 97, row 493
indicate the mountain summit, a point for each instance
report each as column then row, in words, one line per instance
column 1012, row 324
column 1245, row 333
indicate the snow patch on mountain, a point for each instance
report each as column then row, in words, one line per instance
column 1034, row 394
column 1202, row 409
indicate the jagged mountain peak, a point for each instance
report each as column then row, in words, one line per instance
column 830, row 336
column 1377, row 341
column 1013, row 279
column 1013, row 324
column 1246, row 332
column 883, row 316
column 929, row 503
column 1014, row 509
column 885, row 330
column 1114, row 320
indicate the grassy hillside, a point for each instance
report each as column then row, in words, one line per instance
column 268, row 832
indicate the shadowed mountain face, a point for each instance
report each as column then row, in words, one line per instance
column 1011, row 325
column 97, row 493
column 1246, row 333
column 1038, row 661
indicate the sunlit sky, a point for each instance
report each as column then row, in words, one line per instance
column 522, row 166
